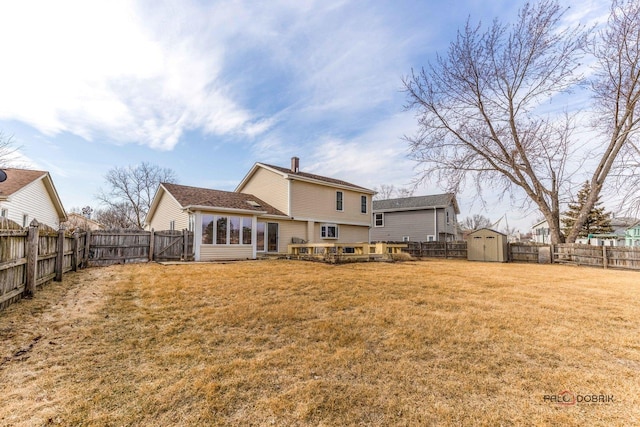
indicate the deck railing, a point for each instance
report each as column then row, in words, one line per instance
column 334, row 252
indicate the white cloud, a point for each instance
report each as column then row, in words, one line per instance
column 97, row 68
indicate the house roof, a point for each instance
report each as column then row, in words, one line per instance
column 75, row 219
column 196, row 197
column 416, row 203
column 287, row 173
column 17, row 179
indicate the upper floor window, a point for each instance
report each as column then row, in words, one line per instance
column 339, row 201
column 4, row 213
column 363, row 204
column 447, row 215
column 378, row 220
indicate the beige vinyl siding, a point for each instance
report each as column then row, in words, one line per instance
column 169, row 210
column 34, row 201
column 418, row 225
column 225, row 252
column 346, row 234
column 269, row 186
column 318, row 202
column 288, row 230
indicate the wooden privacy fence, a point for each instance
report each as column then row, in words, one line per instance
column 597, row 256
column 566, row 253
column 108, row 247
column 437, row 249
column 33, row 256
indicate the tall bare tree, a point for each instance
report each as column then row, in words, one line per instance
column 480, row 108
column 389, row 191
column 7, row 149
column 131, row 192
column 476, row 222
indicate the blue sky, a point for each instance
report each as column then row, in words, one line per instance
column 208, row 88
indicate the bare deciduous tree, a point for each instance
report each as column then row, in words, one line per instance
column 130, row 194
column 389, row 191
column 479, row 108
column 476, row 222
column 7, row 150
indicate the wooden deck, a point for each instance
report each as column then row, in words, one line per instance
column 344, row 252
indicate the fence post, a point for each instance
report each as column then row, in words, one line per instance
column 604, row 257
column 185, row 244
column 60, row 255
column 32, row 259
column 151, row 245
column 76, row 245
column 85, row 250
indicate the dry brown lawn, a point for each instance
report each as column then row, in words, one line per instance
column 300, row 343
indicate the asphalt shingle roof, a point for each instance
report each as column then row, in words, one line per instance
column 196, row 196
column 315, row 177
column 17, row 179
column 417, row 202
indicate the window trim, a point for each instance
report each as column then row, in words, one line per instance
column 375, row 220
column 244, row 224
column 364, row 202
column 340, row 201
column 324, row 231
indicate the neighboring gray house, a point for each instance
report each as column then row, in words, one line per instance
column 417, row 219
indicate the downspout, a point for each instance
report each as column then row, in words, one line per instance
column 435, row 223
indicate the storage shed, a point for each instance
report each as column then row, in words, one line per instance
column 487, row 245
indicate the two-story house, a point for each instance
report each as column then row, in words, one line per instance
column 26, row 195
column 272, row 207
column 421, row 219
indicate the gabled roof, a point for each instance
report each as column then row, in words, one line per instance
column 287, row 173
column 203, row 198
column 17, row 179
column 416, row 203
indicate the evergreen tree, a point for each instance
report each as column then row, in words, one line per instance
column 598, row 221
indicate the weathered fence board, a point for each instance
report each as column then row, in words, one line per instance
column 32, row 257
column 437, row 249
column 598, row 256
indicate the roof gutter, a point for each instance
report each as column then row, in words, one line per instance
column 219, row 209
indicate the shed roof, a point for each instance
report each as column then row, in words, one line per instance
column 416, row 203
column 188, row 196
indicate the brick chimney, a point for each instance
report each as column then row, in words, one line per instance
column 295, row 164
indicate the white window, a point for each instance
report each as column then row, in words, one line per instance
column 339, row 201
column 226, row 230
column 378, row 220
column 4, row 213
column 431, row 238
column 405, row 238
column 25, row 220
column 172, row 225
column 329, row 231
